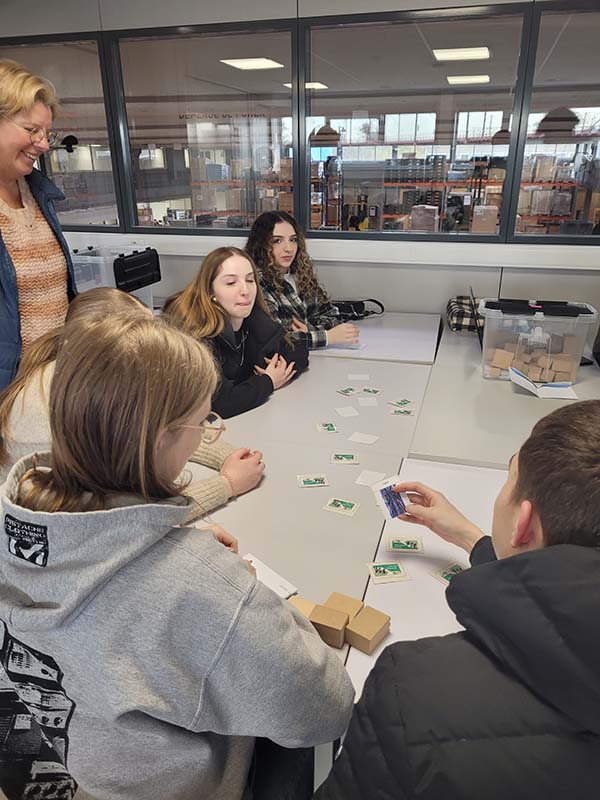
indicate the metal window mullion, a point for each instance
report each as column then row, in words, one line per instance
column 118, row 132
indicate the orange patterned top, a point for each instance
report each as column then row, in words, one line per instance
column 39, row 264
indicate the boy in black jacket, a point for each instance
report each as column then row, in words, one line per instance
column 510, row 708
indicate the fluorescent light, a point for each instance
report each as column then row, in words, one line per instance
column 310, row 85
column 251, row 63
column 462, row 54
column 461, row 80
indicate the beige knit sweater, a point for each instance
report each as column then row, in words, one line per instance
column 29, row 432
column 40, row 267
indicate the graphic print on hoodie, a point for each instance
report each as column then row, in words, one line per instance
column 34, row 721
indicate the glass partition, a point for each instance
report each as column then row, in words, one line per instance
column 410, row 123
column 559, row 191
column 80, row 163
column 210, row 127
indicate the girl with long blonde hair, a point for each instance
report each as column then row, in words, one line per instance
column 224, row 307
column 24, row 415
column 174, row 656
column 292, row 293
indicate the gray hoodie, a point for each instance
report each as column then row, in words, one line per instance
column 147, row 656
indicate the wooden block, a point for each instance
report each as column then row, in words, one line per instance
column 330, row 624
column 526, row 357
column 544, row 360
column 502, row 359
column 535, row 373
column 563, row 362
column 493, row 372
column 368, row 628
column 547, row 375
column 561, row 377
column 304, row 606
column 511, row 347
column 520, row 365
column 345, row 604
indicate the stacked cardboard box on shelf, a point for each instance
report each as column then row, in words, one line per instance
column 484, row 219
column 286, row 201
column 285, row 169
column 424, row 218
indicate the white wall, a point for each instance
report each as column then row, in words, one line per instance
column 69, row 16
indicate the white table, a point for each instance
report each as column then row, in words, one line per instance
column 287, row 527
column 290, row 415
column 418, row 607
column 393, row 336
column 468, row 419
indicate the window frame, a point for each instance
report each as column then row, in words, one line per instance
column 299, row 28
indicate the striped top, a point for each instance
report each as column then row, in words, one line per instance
column 39, row 264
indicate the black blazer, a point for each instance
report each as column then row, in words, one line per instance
column 507, row 710
column 240, row 389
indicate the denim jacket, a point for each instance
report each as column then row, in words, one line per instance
column 45, row 193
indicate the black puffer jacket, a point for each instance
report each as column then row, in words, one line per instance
column 240, row 389
column 508, row 710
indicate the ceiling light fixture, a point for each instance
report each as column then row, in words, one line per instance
column 310, row 85
column 251, row 63
column 463, row 80
column 462, row 54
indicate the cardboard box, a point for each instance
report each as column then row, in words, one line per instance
column 493, row 372
column 330, row 624
column 535, row 373
column 304, row 606
column 345, row 604
column 502, row 359
column 547, row 375
column 484, row 219
column 368, row 628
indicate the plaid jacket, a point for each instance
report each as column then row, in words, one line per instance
column 285, row 305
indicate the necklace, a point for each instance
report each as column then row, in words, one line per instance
column 238, row 347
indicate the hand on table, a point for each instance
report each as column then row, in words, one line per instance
column 298, row 326
column 242, row 470
column 434, row 511
column 346, row 333
column 278, row 370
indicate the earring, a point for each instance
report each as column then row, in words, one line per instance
column 214, row 299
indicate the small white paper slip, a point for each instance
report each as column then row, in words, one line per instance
column 369, row 478
column 347, row 411
column 367, row 401
column 363, row 438
column 270, row 578
column 359, row 376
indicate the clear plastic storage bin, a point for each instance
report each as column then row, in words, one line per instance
column 542, row 339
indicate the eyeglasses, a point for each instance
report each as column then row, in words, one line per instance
column 212, row 427
column 37, row 134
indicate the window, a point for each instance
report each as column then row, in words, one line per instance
column 75, row 164
column 400, row 141
column 559, row 191
column 211, row 142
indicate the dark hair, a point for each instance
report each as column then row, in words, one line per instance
column 559, row 472
column 260, row 249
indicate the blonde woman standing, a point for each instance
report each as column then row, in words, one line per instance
column 161, row 656
column 36, row 273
